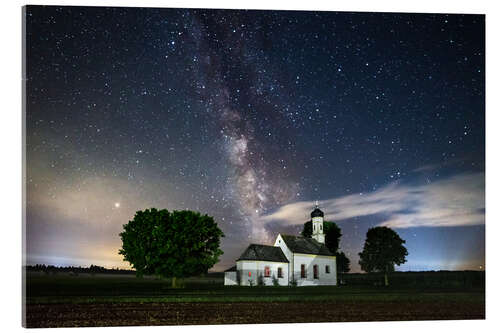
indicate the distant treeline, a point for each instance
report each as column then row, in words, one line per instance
column 419, row 279
column 93, row 269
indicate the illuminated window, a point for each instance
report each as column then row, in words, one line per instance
column 280, row 272
column 250, row 274
column 315, row 270
column 327, row 269
column 303, row 271
column 267, row 271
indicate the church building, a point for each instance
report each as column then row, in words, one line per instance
column 292, row 260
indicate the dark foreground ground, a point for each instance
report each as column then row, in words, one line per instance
column 141, row 314
column 68, row 301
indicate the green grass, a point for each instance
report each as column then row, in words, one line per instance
column 467, row 297
column 62, row 288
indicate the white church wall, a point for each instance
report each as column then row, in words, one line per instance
column 309, row 260
column 230, row 279
column 288, row 254
column 281, row 243
column 249, row 270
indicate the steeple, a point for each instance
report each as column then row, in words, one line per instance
column 317, row 224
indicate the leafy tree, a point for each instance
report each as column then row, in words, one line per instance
column 177, row 244
column 342, row 263
column 382, row 250
column 331, row 231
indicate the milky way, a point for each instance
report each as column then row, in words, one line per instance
column 235, row 111
column 251, row 116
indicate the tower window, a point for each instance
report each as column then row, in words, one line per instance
column 267, row 271
column 303, row 271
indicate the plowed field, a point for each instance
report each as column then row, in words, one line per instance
column 124, row 314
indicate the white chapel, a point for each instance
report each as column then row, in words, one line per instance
column 292, row 260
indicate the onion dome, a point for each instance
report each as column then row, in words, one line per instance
column 317, row 213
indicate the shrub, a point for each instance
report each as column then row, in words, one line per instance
column 275, row 281
column 260, row 280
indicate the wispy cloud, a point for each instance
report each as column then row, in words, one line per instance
column 427, row 167
column 453, row 201
column 452, row 161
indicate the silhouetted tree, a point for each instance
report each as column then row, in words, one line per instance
column 382, row 250
column 176, row 245
column 331, row 231
column 343, row 263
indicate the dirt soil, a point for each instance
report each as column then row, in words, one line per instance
column 143, row 314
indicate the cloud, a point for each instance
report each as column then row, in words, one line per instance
column 454, row 201
column 427, row 167
column 90, row 202
column 80, row 223
column 437, row 166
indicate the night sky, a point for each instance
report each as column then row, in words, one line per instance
column 250, row 117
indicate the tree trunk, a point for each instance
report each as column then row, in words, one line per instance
column 174, row 282
column 386, row 279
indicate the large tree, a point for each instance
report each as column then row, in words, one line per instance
column 382, row 250
column 342, row 263
column 331, row 231
column 174, row 244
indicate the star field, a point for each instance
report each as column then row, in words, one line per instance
column 245, row 114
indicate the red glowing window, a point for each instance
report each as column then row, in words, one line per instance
column 249, row 273
column 267, row 271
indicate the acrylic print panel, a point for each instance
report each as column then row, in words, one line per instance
column 198, row 166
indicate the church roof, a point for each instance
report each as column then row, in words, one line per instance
column 263, row 253
column 231, row 269
column 300, row 244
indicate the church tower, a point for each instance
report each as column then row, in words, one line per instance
column 317, row 224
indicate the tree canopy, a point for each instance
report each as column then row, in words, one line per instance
column 174, row 244
column 382, row 250
column 343, row 263
column 331, row 231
